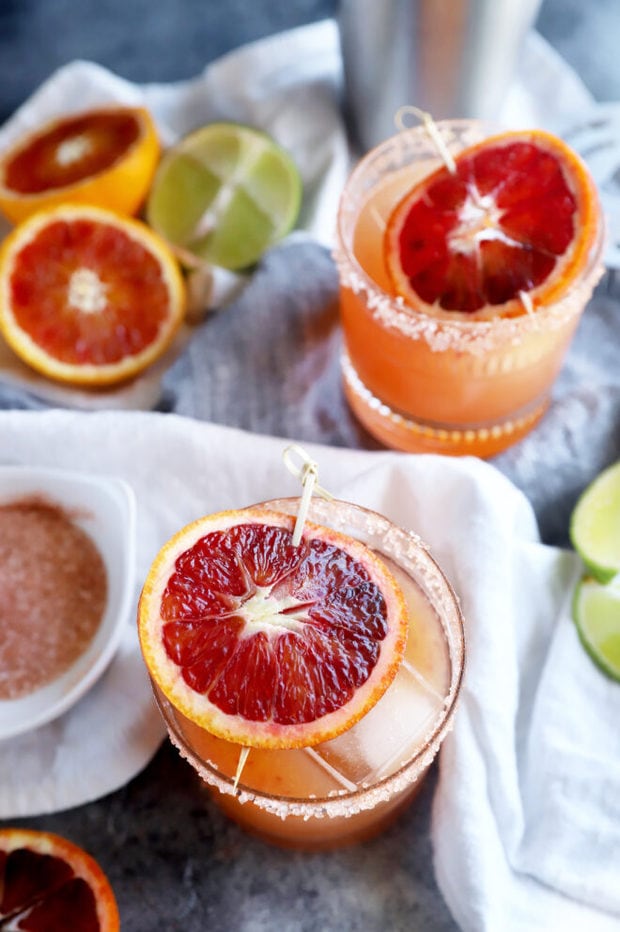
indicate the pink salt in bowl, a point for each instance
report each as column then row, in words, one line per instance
column 102, row 508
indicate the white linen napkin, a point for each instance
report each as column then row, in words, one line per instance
column 525, row 826
column 526, row 819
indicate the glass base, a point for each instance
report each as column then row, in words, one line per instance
column 402, row 433
column 313, row 835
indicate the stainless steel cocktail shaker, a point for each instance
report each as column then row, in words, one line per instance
column 453, row 58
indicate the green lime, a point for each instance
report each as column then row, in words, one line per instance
column 595, row 525
column 225, row 194
column 596, row 611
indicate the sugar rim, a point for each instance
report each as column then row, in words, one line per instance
column 400, row 545
column 476, row 337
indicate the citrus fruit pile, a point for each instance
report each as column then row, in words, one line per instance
column 49, row 884
column 266, row 643
column 90, row 297
column 595, row 534
column 510, row 228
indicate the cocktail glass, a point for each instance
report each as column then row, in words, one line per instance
column 422, row 384
column 349, row 788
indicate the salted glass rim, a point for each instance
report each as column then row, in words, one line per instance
column 429, row 575
column 397, row 312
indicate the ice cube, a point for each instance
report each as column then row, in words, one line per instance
column 388, row 735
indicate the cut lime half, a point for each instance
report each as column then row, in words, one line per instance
column 595, row 525
column 596, row 611
column 225, row 194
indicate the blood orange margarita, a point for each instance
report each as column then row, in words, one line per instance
column 421, row 381
column 348, row 788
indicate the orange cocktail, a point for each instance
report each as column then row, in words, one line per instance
column 432, row 383
column 349, row 787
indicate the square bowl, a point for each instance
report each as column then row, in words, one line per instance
column 104, row 508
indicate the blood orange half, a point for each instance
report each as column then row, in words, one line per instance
column 266, row 643
column 88, row 297
column 509, row 230
column 48, row 884
column 106, row 157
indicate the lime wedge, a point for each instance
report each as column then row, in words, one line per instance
column 595, row 525
column 596, row 611
column 225, row 194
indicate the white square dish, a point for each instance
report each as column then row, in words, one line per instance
column 104, row 508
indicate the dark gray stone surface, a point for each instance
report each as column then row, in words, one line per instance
column 175, row 862
column 174, row 39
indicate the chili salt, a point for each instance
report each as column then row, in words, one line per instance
column 53, row 590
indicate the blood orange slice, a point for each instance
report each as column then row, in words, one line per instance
column 88, row 297
column 106, row 157
column 48, row 884
column 266, row 643
column 509, row 230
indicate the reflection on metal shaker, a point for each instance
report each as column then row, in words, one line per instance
column 453, row 58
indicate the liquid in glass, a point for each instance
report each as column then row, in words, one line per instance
column 418, row 383
column 349, row 788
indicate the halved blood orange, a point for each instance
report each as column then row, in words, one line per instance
column 266, row 643
column 49, row 884
column 106, row 157
column 509, row 230
column 88, row 297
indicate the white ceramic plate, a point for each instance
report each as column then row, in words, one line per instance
column 105, row 509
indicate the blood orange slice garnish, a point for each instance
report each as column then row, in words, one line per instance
column 48, row 884
column 509, row 230
column 266, row 643
column 88, row 297
column 106, row 157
